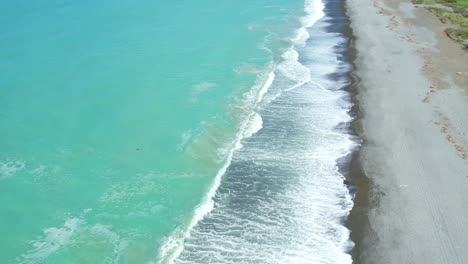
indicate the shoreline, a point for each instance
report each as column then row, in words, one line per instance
column 176, row 254
column 357, row 181
column 350, row 166
column 410, row 108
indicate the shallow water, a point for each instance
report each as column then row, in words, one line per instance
column 171, row 132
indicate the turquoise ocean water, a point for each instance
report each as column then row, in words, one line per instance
column 119, row 120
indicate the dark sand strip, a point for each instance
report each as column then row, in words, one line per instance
column 357, row 220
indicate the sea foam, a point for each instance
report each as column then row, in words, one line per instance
column 52, row 240
column 10, row 167
column 174, row 244
column 301, row 221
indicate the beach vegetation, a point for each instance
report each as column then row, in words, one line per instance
column 461, row 3
column 459, row 34
column 447, row 16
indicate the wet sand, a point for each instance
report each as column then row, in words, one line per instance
column 411, row 174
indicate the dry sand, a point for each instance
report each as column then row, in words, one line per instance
column 413, row 98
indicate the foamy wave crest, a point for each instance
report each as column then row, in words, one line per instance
column 265, row 86
column 174, row 244
column 314, row 11
column 255, row 124
column 291, row 68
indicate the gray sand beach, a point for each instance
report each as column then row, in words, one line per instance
column 413, row 104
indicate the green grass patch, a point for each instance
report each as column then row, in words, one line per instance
column 456, row 13
column 463, row 3
column 446, row 16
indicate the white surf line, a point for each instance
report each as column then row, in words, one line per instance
column 291, row 67
column 174, row 244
